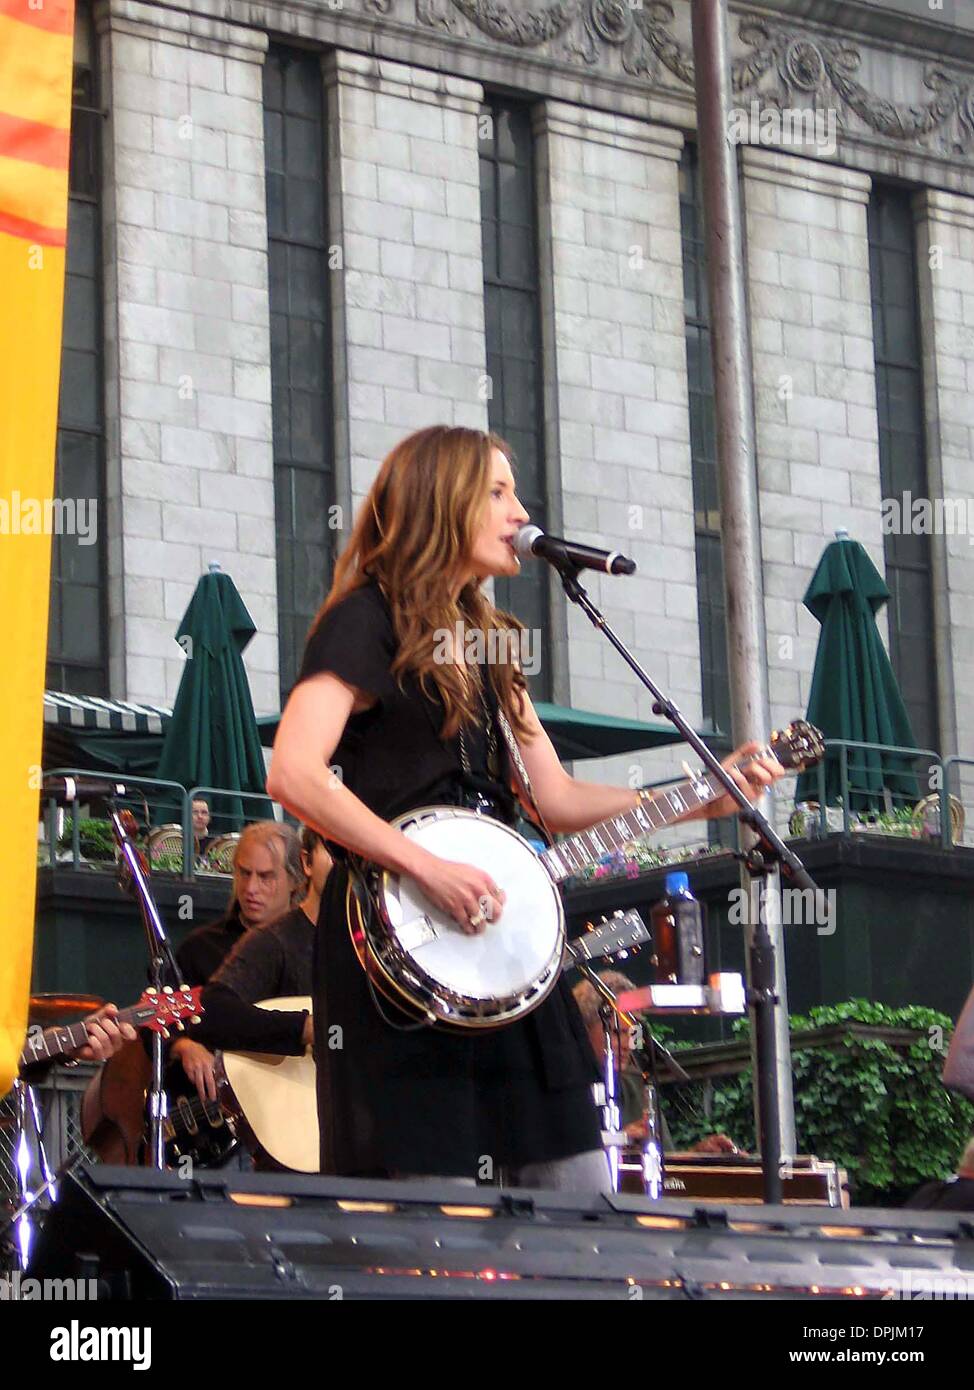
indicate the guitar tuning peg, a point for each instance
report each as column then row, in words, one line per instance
column 184, row 988
column 180, row 1025
column 165, row 1033
column 167, row 989
column 152, row 992
column 195, row 1019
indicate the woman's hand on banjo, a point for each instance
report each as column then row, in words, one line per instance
column 469, row 895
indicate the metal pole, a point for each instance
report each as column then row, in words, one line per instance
column 736, row 457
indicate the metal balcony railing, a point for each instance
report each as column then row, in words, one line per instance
column 158, row 806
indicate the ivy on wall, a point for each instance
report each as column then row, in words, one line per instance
column 877, row 1110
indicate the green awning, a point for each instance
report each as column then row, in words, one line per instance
column 575, row 733
column 579, row 734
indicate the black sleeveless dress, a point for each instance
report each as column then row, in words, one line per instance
column 426, row 1101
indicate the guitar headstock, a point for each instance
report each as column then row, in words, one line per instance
column 169, row 1008
column 798, row 747
column 617, row 933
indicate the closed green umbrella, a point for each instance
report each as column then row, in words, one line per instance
column 212, row 739
column 854, row 692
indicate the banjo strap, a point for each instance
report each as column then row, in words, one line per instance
column 522, row 771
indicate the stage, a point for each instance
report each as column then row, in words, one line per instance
column 144, row 1235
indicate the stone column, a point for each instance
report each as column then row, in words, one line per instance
column 945, row 254
column 190, row 467
column 617, row 403
column 815, row 391
column 408, row 303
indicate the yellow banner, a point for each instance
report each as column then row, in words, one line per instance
column 33, row 219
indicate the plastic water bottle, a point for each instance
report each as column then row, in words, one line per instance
column 677, row 924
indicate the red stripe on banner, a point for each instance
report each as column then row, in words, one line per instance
column 33, row 141
column 32, row 231
column 56, row 16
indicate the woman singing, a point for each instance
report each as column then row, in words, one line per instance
column 407, row 727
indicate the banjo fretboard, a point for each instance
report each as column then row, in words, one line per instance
column 576, row 852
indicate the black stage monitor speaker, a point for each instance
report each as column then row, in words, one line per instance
column 150, row 1235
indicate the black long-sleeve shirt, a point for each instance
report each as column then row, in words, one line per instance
column 266, row 963
column 205, row 949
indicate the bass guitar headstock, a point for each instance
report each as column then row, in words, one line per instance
column 159, row 1011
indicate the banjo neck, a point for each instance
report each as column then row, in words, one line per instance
column 665, row 807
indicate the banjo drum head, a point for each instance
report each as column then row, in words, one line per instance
column 514, row 952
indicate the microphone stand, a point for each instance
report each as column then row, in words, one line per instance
column 760, row 860
column 163, row 975
column 610, row 1016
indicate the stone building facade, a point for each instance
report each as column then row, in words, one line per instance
column 191, row 387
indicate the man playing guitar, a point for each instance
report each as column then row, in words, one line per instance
column 268, row 880
column 105, row 1039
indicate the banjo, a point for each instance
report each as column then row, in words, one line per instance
column 419, row 959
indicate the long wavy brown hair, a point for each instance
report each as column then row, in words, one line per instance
column 412, row 534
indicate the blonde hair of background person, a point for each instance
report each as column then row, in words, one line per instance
column 589, row 1000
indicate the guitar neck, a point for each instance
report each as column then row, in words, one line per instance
column 665, row 807
column 55, row 1042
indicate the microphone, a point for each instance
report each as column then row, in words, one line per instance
column 68, row 789
column 531, row 540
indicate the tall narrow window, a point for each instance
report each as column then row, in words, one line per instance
column 513, row 317
column 703, row 454
column 902, row 456
column 304, row 480
column 77, row 645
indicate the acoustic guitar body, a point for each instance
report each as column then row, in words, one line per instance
column 272, row 1100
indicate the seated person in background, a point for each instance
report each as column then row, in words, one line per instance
column 268, row 879
column 959, row 1067
column 630, row 1083
column 956, row 1194
column 630, row 1086
column 105, row 1038
column 202, row 839
column 269, row 963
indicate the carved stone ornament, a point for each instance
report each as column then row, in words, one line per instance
column 524, row 26
column 781, row 66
